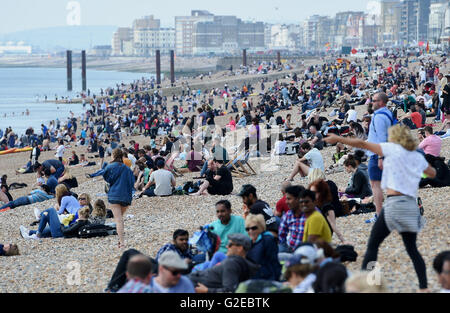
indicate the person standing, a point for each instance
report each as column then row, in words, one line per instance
column 403, row 168
column 121, row 181
column 378, row 133
column 442, row 82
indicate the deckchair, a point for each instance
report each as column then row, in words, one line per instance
column 240, row 164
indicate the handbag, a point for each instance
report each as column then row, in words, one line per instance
column 96, row 230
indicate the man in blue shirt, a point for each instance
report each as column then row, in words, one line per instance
column 382, row 120
column 180, row 245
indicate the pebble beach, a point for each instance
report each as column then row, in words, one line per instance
column 86, row 265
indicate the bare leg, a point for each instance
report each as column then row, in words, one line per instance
column 377, row 195
column 202, row 190
column 3, row 197
column 118, row 212
column 295, row 171
column 304, row 169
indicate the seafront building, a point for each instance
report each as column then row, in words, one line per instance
column 388, row 23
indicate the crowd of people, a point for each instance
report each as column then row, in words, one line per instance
column 287, row 247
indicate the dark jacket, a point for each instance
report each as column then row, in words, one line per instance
column 226, row 276
column 264, row 252
column 72, row 230
column 121, row 182
column 359, row 185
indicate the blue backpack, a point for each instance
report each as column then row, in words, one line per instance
column 393, row 121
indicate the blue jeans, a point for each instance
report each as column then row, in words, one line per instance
column 49, row 225
column 16, row 203
column 438, row 111
column 100, row 172
column 204, row 169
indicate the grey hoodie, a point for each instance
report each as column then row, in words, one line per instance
column 226, row 276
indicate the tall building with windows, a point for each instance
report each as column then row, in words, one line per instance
column 414, row 23
column 122, row 42
column 184, row 30
column 436, row 28
column 148, row 36
column 227, row 34
column 390, row 22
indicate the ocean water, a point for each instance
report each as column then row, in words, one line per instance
column 25, row 88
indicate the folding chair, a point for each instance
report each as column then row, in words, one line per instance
column 238, row 165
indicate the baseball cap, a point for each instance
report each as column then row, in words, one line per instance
column 172, row 259
column 246, row 190
column 241, row 239
column 305, row 254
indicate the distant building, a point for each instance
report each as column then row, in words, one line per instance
column 390, row 22
column 15, row 49
column 148, row 37
column 184, row 29
column 101, row 51
column 414, row 21
column 227, row 34
column 436, row 28
column 284, row 37
column 122, row 43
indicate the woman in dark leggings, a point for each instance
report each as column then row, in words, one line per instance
column 402, row 170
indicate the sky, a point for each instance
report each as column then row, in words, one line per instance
column 19, row 15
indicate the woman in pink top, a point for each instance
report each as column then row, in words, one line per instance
column 432, row 143
column 232, row 124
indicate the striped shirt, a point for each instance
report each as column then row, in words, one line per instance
column 291, row 229
column 135, row 286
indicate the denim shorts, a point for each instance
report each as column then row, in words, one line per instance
column 121, row 203
column 374, row 171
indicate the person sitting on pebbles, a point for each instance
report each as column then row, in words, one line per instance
column 218, row 180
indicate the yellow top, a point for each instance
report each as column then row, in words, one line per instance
column 317, row 225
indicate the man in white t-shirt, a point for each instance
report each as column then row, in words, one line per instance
column 314, row 158
column 163, row 181
column 352, row 115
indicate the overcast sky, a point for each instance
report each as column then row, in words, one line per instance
column 20, row 15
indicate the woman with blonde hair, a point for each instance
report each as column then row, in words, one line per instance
column 85, row 200
column 403, row 167
column 65, row 201
column 264, row 249
column 121, row 182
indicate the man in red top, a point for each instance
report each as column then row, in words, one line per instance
column 413, row 119
column 282, row 206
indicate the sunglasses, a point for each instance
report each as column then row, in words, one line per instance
column 173, row 272
column 81, row 198
column 231, row 244
column 251, row 228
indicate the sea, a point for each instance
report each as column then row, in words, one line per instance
column 23, row 89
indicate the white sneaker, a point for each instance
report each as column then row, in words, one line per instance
column 34, row 236
column 37, row 213
column 24, row 232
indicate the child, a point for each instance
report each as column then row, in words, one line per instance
column 98, row 215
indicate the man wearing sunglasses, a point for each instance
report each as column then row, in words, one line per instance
column 170, row 278
column 226, row 276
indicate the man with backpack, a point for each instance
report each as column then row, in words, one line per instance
column 382, row 120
